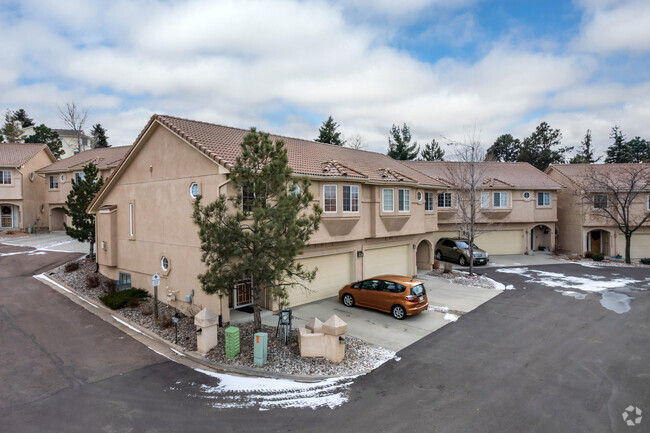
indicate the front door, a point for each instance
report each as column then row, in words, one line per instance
column 6, row 216
column 595, row 242
column 243, row 293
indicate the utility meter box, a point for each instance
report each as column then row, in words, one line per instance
column 232, row 342
column 260, row 345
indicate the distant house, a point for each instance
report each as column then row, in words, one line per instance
column 60, row 175
column 517, row 206
column 68, row 139
column 581, row 229
column 21, row 188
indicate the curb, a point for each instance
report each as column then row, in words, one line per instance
column 173, row 351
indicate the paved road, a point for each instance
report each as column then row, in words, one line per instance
column 528, row 360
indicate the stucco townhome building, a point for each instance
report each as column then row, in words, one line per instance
column 375, row 218
column 70, row 144
column 581, row 230
column 21, row 188
column 60, row 175
column 517, row 206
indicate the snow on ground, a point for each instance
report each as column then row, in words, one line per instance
column 451, row 317
column 579, row 287
column 437, row 308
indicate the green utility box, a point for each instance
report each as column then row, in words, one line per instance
column 232, row 342
column 260, row 345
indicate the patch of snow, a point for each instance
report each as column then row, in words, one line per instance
column 572, row 294
column 131, row 327
column 397, row 359
column 177, row 352
column 437, row 308
column 616, row 302
column 159, row 353
column 451, row 317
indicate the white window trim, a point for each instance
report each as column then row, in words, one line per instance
column 336, row 199
column 485, row 203
column 198, row 190
column 494, row 202
column 54, row 178
column 433, row 201
column 358, row 199
column 647, row 202
column 383, row 200
column 162, row 263
column 407, row 202
column 131, row 219
column 2, row 176
column 451, row 200
column 545, row 194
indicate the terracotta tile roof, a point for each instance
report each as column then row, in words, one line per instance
column 582, row 173
column 222, row 144
column 506, row 175
column 103, row 158
column 17, row 154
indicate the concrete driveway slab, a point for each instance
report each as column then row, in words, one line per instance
column 52, row 241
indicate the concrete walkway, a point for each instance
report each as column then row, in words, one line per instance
column 52, row 241
column 535, row 259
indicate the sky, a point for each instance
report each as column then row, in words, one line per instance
column 449, row 69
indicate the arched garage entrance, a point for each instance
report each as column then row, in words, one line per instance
column 424, row 255
column 57, row 216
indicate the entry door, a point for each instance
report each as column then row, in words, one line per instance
column 243, row 293
column 596, row 239
column 6, row 217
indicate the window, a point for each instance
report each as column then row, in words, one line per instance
column 62, row 178
column 79, row 176
column 388, row 200
column 543, row 199
column 294, row 189
column 54, row 182
column 600, row 201
column 500, row 199
column 329, row 198
column 124, row 281
column 444, row 199
column 164, row 263
column 247, row 199
column 419, row 195
column 526, row 195
column 350, row 198
column 404, row 200
column 428, row 201
column 485, row 199
column 194, row 190
column 5, row 177
column 648, row 202
column 131, row 215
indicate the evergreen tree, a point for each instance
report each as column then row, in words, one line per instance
column 585, row 154
column 399, row 144
column 618, row 151
column 506, row 148
column 433, row 152
column 258, row 232
column 328, row 133
column 99, row 137
column 11, row 129
column 21, row 116
column 638, row 149
column 542, row 149
column 83, row 192
column 43, row 134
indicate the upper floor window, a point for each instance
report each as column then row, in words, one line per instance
column 329, row 198
column 444, row 199
column 500, row 199
column 194, row 190
column 350, row 198
column 543, row 199
column 485, row 199
column 428, row 201
column 79, row 176
column 404, row 200
column 5, row 177
column 600, row 201
column 388, row 200
column 54, row 182
column 247, row 199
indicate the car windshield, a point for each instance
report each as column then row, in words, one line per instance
column 418, row 290
column 464, row 245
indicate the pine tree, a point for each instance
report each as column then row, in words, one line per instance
column 433, row 152
column 506, row 148
column 99, row 137
column 328, row 133
column 541, row 149
column 11, row 129
column 83, row 192
column 618, row 151
column 21, row 116
column 399, row 144
column 585, row 154
column 43, row 134
column 258, row 232
column 638, row 149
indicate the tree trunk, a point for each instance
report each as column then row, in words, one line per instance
column 92, row 249
column 257, row 317
column 628, row 245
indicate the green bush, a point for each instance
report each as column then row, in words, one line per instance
column 645, row 261
column 598, row 257
column 118, row 300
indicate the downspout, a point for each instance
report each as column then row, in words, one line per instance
column 221, row 296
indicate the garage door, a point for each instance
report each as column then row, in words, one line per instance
column 334, row 272
column 640, row 247
column 389, row 260
column 502, row 242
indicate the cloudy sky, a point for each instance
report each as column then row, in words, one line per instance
column 444, row 67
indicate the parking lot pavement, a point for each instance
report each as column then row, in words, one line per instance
column 513, row 260
column 444, row 293
column 52, row 241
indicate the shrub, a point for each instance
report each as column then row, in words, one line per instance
column 645, row 261
column 71, row 267
column 598, row 257
column 93, row 280
column 146, row 308
column 133, row 302
column 448, row 268
column 589, row 255
column 110, row 286
column 165, row 321
column 118, row 300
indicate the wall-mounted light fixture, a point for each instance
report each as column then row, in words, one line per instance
column 359, row 253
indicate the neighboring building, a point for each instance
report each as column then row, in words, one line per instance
column 69, row 141
column 375, row 218
column 60, row 175
column 517, row 206
column 580, row 229
column 21, row 188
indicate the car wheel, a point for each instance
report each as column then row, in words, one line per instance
column 348, row 300
column 398, row 312
column 462, row 261
column 438, row 255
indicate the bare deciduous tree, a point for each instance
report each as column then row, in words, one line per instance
column 618, row 193
column 467, row 177
column 75, row 118
column 356, row 142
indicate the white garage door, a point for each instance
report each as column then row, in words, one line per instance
column 640, row 247
column 502, row 242
column 389, row 260
column 334, row 272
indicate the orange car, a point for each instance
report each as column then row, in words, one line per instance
column 395, row 294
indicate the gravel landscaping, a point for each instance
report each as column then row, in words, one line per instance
column 359, row 355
